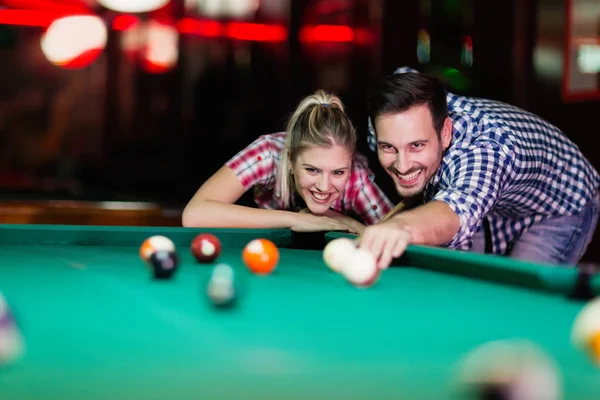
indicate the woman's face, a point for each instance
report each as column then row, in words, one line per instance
column 320, row 174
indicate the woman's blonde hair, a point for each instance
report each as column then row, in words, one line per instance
column 319, row 120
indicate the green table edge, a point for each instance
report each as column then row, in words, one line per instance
column 489, row 267
column 88, row 235
column 481, row 266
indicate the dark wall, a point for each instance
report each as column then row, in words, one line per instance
column 578, row 119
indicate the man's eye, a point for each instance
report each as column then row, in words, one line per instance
column 387, row 148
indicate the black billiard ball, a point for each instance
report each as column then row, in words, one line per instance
column 164, row 264
column 509, row 370
column 493, row 392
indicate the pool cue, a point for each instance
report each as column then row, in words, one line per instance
column 399, row 207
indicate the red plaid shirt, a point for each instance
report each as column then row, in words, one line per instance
column 256, row 167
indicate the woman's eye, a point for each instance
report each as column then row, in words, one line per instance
column 311, row 170
column 339, row 173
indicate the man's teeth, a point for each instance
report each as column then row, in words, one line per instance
column 409, row 177
column 320, row 196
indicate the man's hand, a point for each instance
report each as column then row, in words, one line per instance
column 386, row 241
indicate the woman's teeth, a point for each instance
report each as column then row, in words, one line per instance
column 321, row 196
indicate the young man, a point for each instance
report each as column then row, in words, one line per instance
column 483, row 170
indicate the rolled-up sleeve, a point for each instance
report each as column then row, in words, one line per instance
column 470, row 184
column 255, row 164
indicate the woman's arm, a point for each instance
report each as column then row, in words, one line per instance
column 212, row 207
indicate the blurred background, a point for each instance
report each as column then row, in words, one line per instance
column 116, row 111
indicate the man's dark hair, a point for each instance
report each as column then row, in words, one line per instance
column 399, row 92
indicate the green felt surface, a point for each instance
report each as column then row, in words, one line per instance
column 97, row 327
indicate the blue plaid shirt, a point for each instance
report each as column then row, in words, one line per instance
column 507, row 166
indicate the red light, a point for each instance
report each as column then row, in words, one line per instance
column 208, row 28
column 233, row 30
column 67, row 6
column 32, row 18
column 125, row 22
column 326, row 33
column 83, row 60
column 467, row 42
column 190, row 26
column 153, row 68
column 256, row 32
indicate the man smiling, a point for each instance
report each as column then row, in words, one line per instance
column 492, row 177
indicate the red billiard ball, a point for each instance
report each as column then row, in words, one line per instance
column 206, row 247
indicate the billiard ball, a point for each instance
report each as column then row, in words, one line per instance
column 222, row 289
column 585, row 332
column 153, row 244
column 337, row 252
column 206, row 247
column 6, row 317
column 164, row 264
column 261, row 256
column 509, row 370
column 12, row 345
column 361, row 269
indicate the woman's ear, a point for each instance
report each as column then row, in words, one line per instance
column 290, row 164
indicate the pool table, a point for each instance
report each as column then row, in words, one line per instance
column 97, row 326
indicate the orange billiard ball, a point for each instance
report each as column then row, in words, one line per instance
column 261, row 256
column 154, row 244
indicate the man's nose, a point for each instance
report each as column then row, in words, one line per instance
column 402, row 164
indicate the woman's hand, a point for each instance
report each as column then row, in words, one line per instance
column 304, row 221
column 351, row 225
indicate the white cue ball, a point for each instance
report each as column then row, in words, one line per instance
column 587, row 324
column 361, row 269
column 337, row 252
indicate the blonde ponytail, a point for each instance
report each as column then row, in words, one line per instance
column 319, row 120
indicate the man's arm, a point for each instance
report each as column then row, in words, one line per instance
column 431, row 224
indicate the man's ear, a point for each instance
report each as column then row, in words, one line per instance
column 446, row 133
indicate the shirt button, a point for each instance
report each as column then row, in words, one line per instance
column 374, row 206
column 259, row 158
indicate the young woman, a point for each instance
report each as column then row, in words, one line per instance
column 308, row 178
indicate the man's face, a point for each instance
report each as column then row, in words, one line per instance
column 409, row 148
